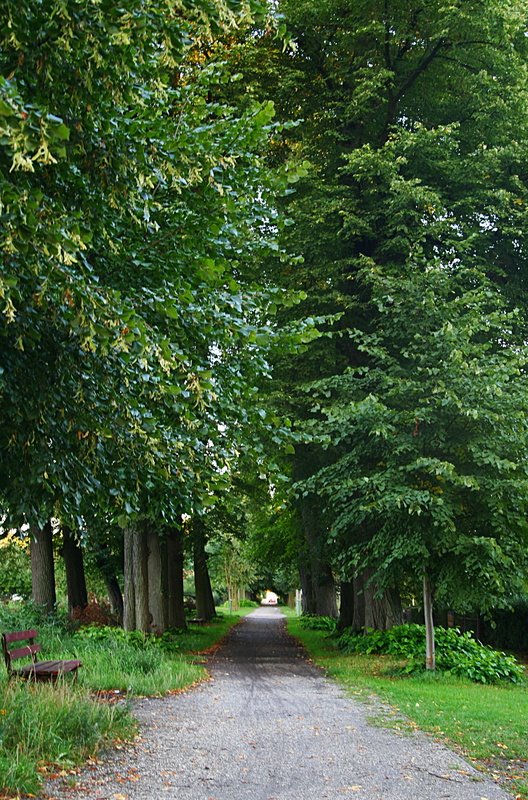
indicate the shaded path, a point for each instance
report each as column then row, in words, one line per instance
column 269, row 726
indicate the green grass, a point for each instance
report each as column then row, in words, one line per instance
column 46, row 725
column 485, row 723
column 45, row 728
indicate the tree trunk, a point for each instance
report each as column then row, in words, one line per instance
column 205, row 607
column 140, row 569
column 381, row 613
column 157, row 566
column 74, row 564
column 430, row 657
column 358, row 617
column 346, row 607
column 175, row 558
column 323, row 586
column 43, row 568
column 115, row 596
column 129, row 599
column 325, row 592
column 308, row 599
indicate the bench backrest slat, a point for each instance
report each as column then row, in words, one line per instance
column 24, row 652
column 20, row 636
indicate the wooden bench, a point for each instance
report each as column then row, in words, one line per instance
column 35, row 670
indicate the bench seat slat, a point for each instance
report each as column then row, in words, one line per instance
column 47, row 668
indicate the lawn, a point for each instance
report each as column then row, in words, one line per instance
column 487, row 724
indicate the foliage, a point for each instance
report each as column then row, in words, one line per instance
column 15, row 573
column 133, row 204
column 311, row 622
column 409, row 221
column 431, row 436
column 457, row 653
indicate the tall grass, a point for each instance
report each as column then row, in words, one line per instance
column 57, row 724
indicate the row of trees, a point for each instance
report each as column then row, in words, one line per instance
column 411, row 470
column 134, row 205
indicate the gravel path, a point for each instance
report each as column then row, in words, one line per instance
column 269, row 726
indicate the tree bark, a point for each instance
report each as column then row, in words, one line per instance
column 430, row 657
column 157, row 566
column 129, row 599
column 140, row 570
column 205, row 607
column 175, row 558
column 380, row 613
column 358, row 618
column 346, row 606
column 115, row 596
column 308, row 599
column 43, row 568
column 323, row 586
column 74, row 564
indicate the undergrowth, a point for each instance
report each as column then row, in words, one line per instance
column 457, row 653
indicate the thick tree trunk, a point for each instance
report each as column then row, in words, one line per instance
column 308, row 599
column 175, row 558
column 115, row 596
column 325, row 592
column 140, row 569
column 205, row 607
column 430, row 657
column 323, row 586
column 74, row 564
column 380, row 613
column 346, row 607
column 129, row 599
column 43, row 568
column 358, row 618
column 157, row 568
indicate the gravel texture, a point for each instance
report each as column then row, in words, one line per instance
column 270, row 726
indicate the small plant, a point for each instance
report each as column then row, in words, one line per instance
column 456, row 652
column 312, row 622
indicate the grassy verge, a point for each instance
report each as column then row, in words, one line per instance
column 485, row 723
column 49, row 728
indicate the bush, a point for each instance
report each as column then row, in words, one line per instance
column 312, row 622
column 457, row 653
column 95, row 613
column 15, row 568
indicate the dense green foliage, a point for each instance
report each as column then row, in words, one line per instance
column 133, row 206
column 410, row 225
column 457, row 653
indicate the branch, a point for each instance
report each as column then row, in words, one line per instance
column 422, row 66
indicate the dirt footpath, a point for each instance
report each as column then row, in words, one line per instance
column 269, row 726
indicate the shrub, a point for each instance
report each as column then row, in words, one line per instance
column 95, row 613
column 312, row 622
column 457, row 653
